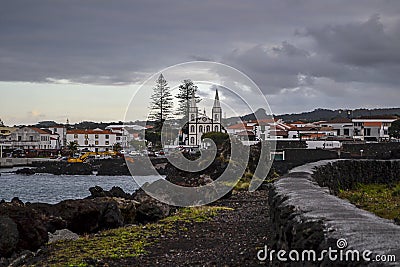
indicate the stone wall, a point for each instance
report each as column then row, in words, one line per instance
column 306, row 216
column 347, row 174
column 298, row 156
column 373, row 150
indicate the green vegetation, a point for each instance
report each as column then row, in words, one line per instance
column 125, row 242
column 218, row 137
column 380, row 199
column 72, row 148
column 244, row 182
column 161, row 103
column 394, row 130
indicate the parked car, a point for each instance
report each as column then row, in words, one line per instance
column 151, row 154
column 135, row 153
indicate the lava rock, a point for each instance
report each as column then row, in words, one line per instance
column 150, row 209
column 27, row 171
column 32, row 231
column 128, row 209
column 81, row 216
column 115, row 191
column 62, row 167
column 9, row 236
column 63, row 234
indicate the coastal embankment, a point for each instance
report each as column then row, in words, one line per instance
column 16, row 162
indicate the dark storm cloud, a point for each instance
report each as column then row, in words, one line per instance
column 321, row 47
column 360, row 44
column 354, row 52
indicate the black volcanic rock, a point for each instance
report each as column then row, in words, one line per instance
column 9, row 236
column 31, row 229
column 62, row 167
column 27, row 171
column 115, row 191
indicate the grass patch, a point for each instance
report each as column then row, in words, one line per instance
column 380, row 199
column 245, row 180
column 124, row 242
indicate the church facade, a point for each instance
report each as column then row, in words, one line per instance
column 201, row 123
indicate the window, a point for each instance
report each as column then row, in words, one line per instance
column 118, row 138
column 107, row 143
column 346, row 132
column 385, row 132
column 31, row 138
column 96, row 143
column 200, row 128
column 216, row 117
column 367, row 131
column 107, row 136
column 192, row 128
column 86, row 136
column 96, row 136
column 192, row 140
column 86, row 142
column 192, row 117
column 19, row 138
column 75, row 136
column 216, row 128
column 207, row 128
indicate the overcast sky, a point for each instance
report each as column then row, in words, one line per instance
column 83, row 60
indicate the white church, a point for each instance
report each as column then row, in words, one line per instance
column 201, row 123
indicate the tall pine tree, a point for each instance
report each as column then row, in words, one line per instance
column 186, row 90
column 161, row 102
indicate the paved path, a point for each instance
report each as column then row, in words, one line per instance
column 231, row 238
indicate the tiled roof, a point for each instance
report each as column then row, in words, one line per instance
column 338, row 120
column 240, row 126
column 39, row 130
column 90, row 131
column 249, row 133
column 300, row 129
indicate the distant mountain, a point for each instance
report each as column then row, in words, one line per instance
column 327, row 114
column 317, row 114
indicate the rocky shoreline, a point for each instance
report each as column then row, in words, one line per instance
column 107, row 167
column 26, row 227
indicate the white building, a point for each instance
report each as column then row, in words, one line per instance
column 271, row 129
column 200, row 123
column 96, row 140
column 311, row 133
column 373, row 128
column 127, row 133
column 31, row 138
column 59, row 136
column 342, row 126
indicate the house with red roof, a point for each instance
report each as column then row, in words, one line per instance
column 342, row 126
column 30, row 138
column 96, row 140
column 373, row 128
